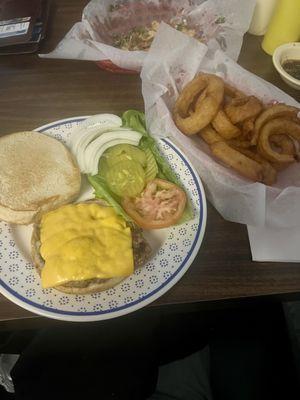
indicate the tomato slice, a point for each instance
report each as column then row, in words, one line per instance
column 161, row 204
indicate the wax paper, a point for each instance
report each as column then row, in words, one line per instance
column 220, row 24
column 164, row 74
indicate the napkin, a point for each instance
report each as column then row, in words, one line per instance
column 268, row 244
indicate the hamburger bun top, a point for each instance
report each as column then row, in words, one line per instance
column 37, row 174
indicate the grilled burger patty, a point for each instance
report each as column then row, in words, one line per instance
column 141, row 254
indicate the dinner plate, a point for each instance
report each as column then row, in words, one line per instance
column 174, row 249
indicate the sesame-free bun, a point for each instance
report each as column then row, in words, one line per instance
column 37, row 174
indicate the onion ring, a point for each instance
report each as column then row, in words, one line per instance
column 279, row 166
column 296, row 147
column 242, row 144
column 269, row 171
column 248, row 128
column 285, row 143
column 287, row 146
column 205, row 110
column 209, row 135
column 197, row 101
column 273, row 127
column 247, row 167
column 296, row 119
column 275, row 111
column 231, row 91
column 224, row 126
column 241, row 108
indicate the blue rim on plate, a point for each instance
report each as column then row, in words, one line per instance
column 149, row 297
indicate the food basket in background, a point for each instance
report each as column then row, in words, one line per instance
column 118, row 34
column 237, row 199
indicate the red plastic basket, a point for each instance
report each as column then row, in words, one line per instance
column 108, row 65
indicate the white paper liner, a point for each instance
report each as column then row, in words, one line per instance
column 164, row 74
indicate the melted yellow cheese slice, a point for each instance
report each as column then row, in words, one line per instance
column 84, row 241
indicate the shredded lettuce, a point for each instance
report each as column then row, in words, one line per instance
column 136, row 120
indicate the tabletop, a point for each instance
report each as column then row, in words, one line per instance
column 37, row 91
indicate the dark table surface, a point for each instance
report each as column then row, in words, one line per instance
column 37, row 91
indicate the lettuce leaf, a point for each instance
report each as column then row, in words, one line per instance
column 136, row 120
column 102, row 192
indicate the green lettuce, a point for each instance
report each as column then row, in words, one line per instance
column 102, row 192
column 136, row 120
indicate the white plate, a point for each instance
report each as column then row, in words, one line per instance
column 174, row 249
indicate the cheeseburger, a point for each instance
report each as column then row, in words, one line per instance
column 86, row 247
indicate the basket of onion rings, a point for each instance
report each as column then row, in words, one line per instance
column 241, row 133
column 256, row 140
column 117, row 34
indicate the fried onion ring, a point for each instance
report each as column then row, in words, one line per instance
column 287, row 146
column 209, row 135
column 242, row 144
column 279, row 166
column 285, row 143
column 197, row 102
column 205, row 109
column 241, row 108
column 231, row 91
column 255, row 140
column 224, row 126
column 247, row 167
column 274, row 127
column 269, row 171
column 275, row 111
column 248, row 128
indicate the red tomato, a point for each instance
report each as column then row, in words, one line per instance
column 160, row 205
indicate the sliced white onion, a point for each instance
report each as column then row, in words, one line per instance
column 98, row 121
column 88, row 137
column 102, row 119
